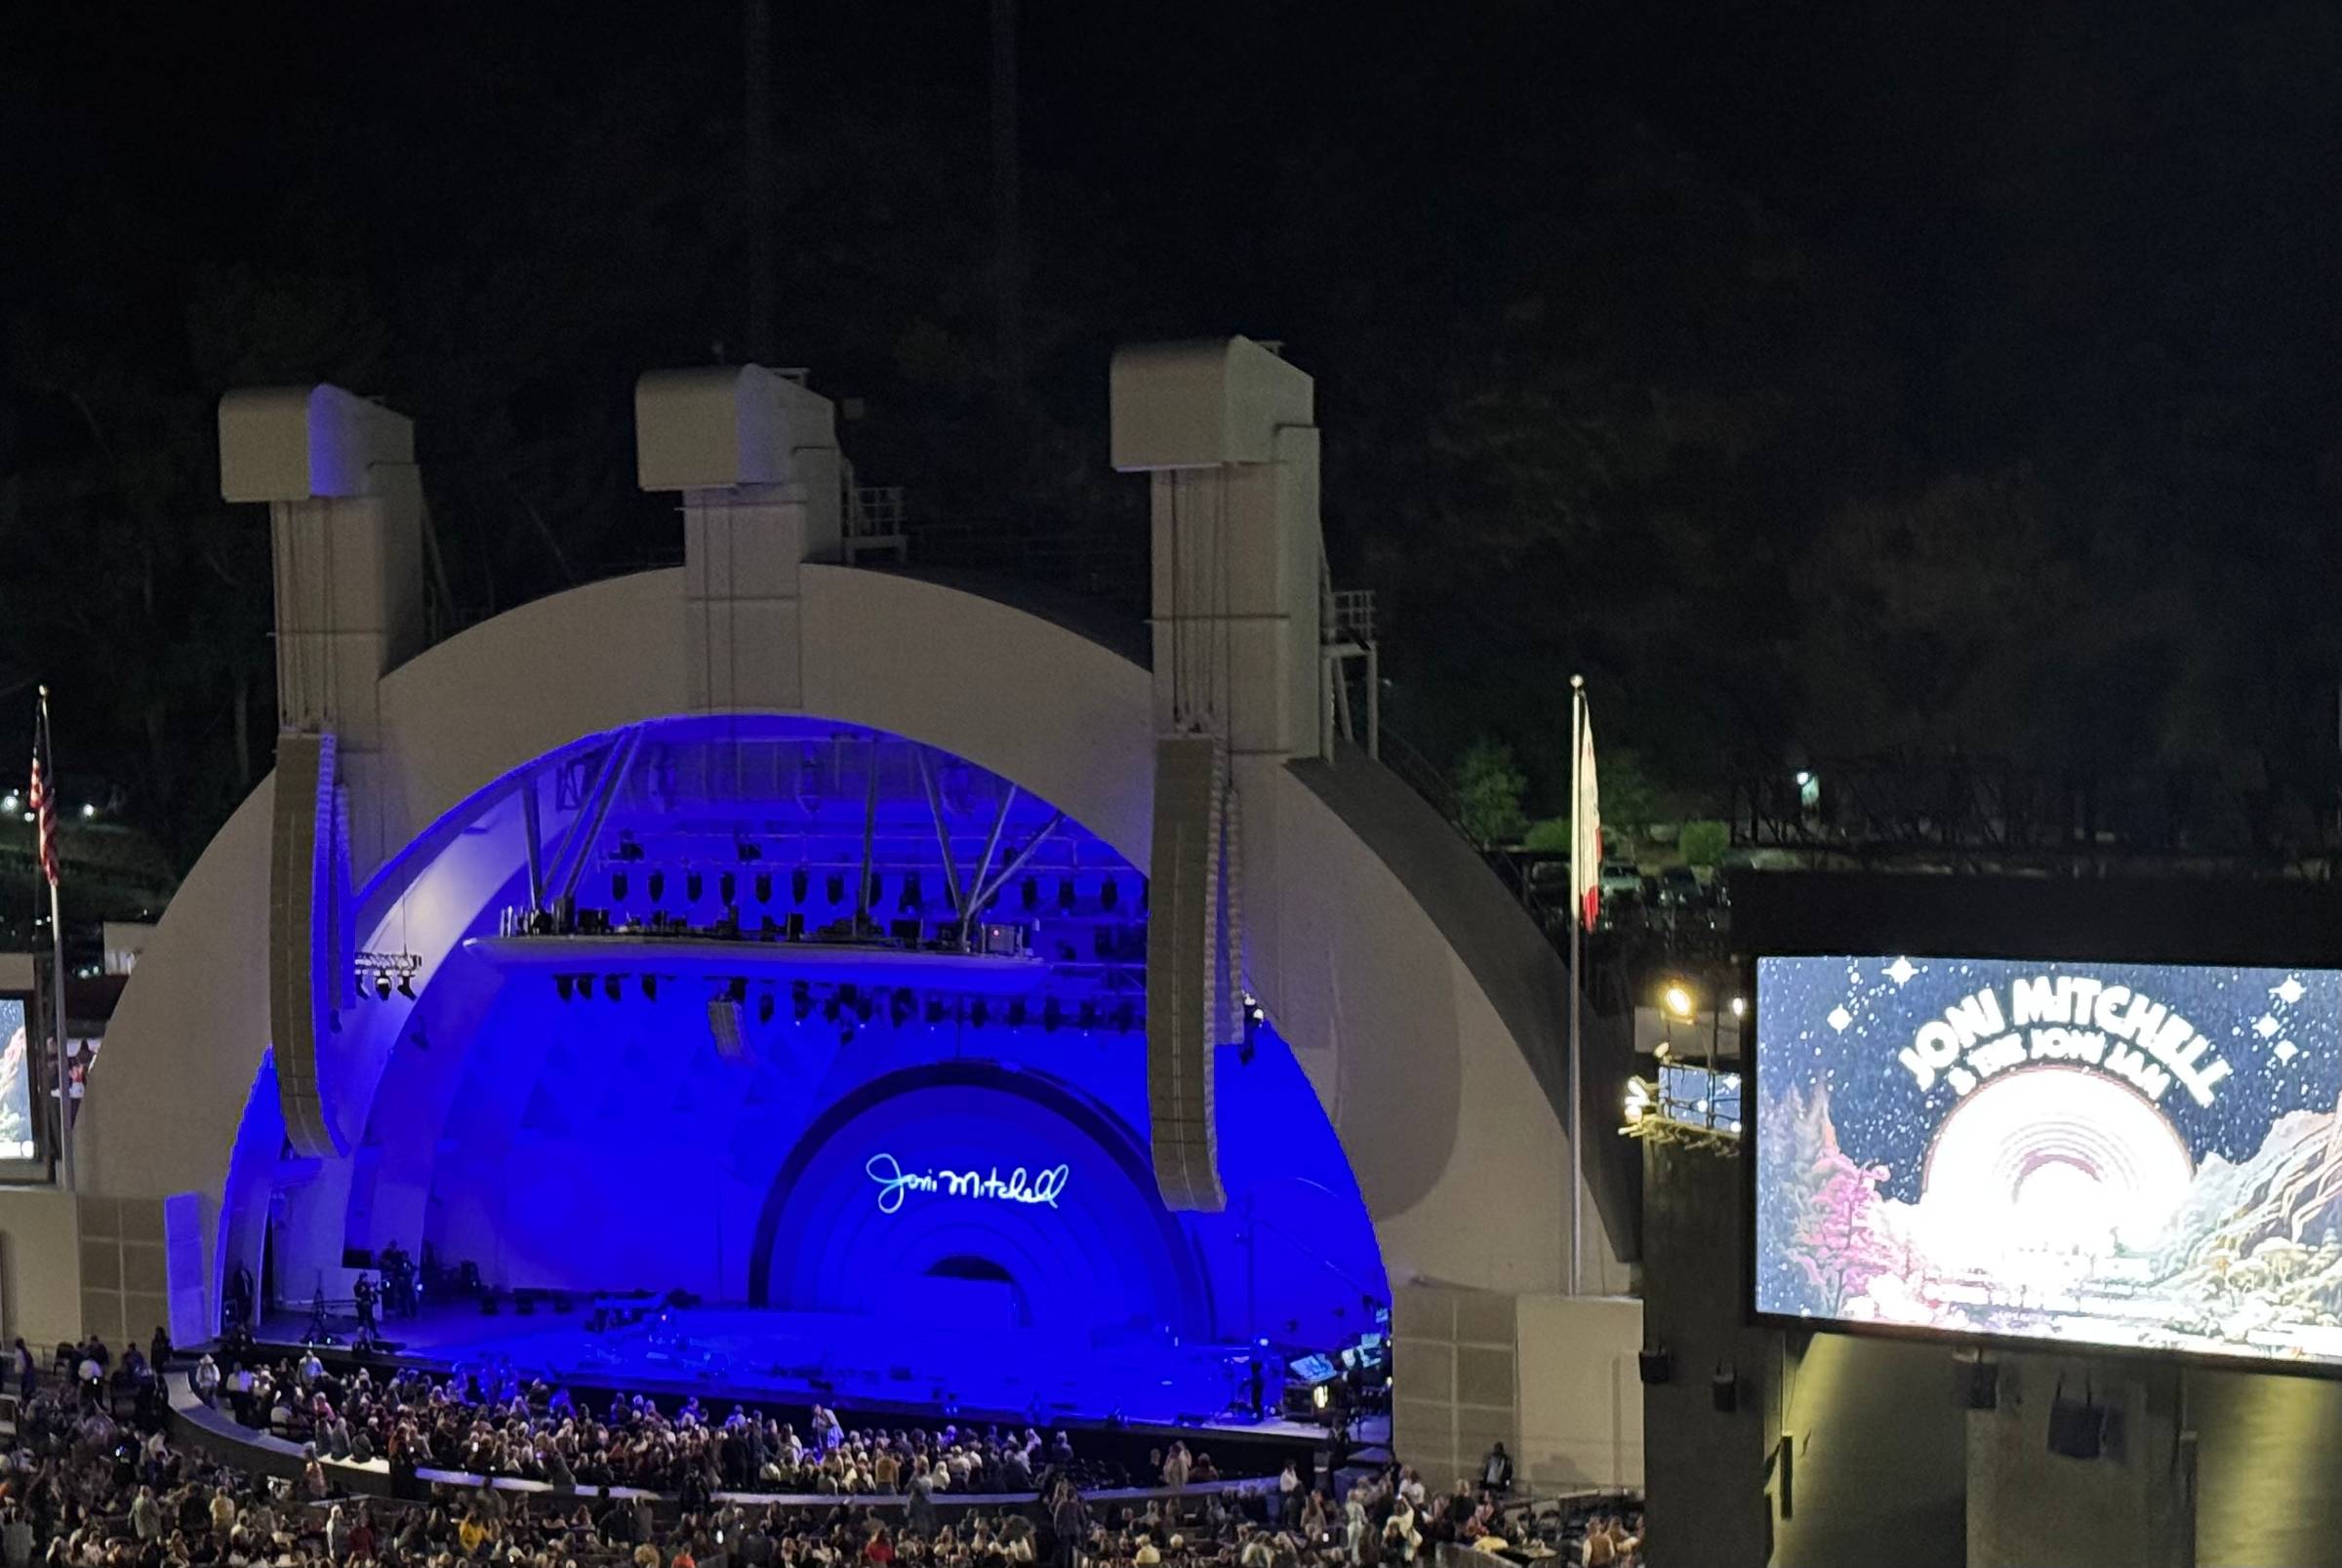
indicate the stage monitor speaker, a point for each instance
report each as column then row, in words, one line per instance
column 1656, row 1366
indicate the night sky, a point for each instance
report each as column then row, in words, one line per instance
column 1883, row 1117
column 1820, row 382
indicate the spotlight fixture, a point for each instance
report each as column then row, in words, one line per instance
column 935, row 1010
column 1066, row 892
column 746, row 851
column 1110, row 894
column 628, row 849
column 650, row 987
column 658, row 885
column 798, row 884
column 764, row 887
column 1029, row 891
column 863, row 1006
column 829, row 1007
column 1015, row 1013
column 618, row 887
column 565, row 986
column 381, row 984
column 1053, row 1013
column 692, row 884
column 980, row 1014
column 800, row 1000
column 764, row 1008
column 901, row 1006
column 836, row 887
column 1089, row 1015
column 1127, row 1019
column 1677, row 999
column 908, row 900
column 406, row 987
column 727, row 888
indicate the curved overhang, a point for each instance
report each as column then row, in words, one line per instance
column 1419, row 1065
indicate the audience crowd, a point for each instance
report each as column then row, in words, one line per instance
column 91, row 1481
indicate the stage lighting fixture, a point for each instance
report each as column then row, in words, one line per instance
column 1015, row 1013
column 658, row 885
column 845, row 1036
column 1053, row 1014
column 1066, row 892
column 727, row 888
column 902, row 1006
column 764, row 887
column 627, row 848
column 829, row 1007
column 406, row 987
column 650, row 987
column 798, row 882
column 565, row 986
column 1089, row 1015
column 1677, row 999
column 1110, row 894
column 863, row 1006
column 746, row 851
column 1127, row 1019
column 692, row 884
column 1029, row 891
column 764, row 1008
column 910, row 898
column 737, row 988
column 381, row 984
column 800, row 1000
column 980, row 1014
column 618, row 887
column 613, row 987
column 836, row 888
column 935, row 1010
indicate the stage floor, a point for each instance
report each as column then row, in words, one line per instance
column 873, row 1365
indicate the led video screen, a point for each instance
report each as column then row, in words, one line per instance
column 16, row 1082
column 2133, row 1155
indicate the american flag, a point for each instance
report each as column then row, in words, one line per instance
column 43, row 795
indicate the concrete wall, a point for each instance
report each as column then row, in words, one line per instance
column 1708, row 1502
column 40, row 1265
column 125, row 1269
column 2129, row 1508
column 1581, row 1393
column 1877, row 1437
column 2267, row 1452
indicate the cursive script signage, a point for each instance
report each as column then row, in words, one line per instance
column 1020, row 1186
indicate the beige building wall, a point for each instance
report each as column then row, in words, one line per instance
column 40, row 1266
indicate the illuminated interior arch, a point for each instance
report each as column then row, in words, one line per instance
column 565, row 1114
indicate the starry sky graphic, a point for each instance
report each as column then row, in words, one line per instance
column 2279, row 1031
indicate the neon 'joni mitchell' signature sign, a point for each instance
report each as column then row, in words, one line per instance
column 1019, row 1185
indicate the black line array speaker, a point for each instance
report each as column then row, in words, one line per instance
column 1189, row 983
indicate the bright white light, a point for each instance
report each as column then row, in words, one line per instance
column 1740, row 1007
column 1678, row 1001
column 9, row 801
column 1803, row 777
column 88, row 810
column 2053, row 1159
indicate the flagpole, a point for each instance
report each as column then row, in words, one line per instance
column 1577, row 922
column 58, row 1018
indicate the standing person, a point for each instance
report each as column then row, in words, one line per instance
column 206, row 1379
column 27, row 1370
column 1177, row 1468
column 1070, row 1523
column 1288, row 1496
column 1495, row 1471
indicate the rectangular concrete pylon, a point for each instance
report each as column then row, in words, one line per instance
column 754, row 456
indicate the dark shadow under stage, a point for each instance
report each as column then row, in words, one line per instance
column 904, row 1372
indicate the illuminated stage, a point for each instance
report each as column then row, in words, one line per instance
column 866, row 1367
